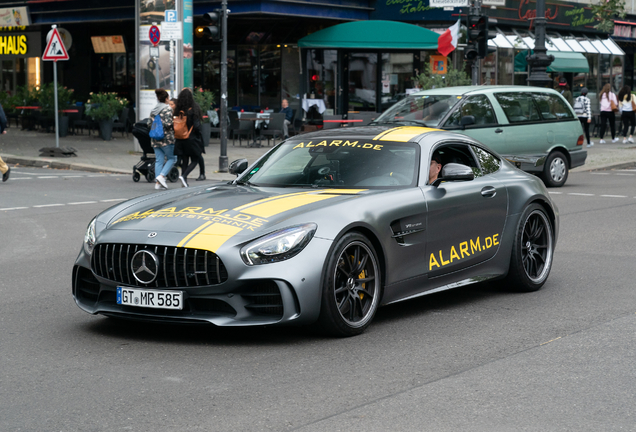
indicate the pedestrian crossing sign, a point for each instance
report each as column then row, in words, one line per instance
column 55, row 49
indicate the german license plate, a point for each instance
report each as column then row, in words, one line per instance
column 150, row 298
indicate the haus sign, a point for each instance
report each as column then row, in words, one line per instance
column 13, row 45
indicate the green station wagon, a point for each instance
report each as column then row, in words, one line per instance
column 534, row 128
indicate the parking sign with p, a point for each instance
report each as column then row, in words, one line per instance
column 170, row 15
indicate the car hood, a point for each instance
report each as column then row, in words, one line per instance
column 208, row 217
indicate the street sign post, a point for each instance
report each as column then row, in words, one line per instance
column 54, row 51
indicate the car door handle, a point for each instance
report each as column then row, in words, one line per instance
column 498, row 130
column 488, row 192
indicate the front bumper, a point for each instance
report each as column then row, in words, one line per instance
column 286, row 292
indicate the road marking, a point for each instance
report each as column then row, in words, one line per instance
column 48, row 205
column 21, row 178
column 72, row 176
column 83, row 202
column 13, row 208
column 580, row 194
column 623, row 174
column 595, row 173
column 114, row 199
column 555, row 193
column 48, row 177
column 614, row 196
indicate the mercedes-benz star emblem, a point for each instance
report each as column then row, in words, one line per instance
column 152, row 234
column 145, row 266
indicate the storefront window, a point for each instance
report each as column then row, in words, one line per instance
column 397, row 76
column 20, row 72
column 7, row 76
column 604, row 68
column 505, row 66
column 197, row 67
column 270, row 77
column 592, row 81
column 489, row 69
column 322, row 67
column 578, row 82
column 248, row 78
column 290, row 76
column 521, row 67
column 617, row 73
column 362, row 81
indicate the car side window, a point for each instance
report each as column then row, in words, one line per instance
column 478, row 106
column 518, row 107
column 552, row 107
column 489, row 163
column 461, row 154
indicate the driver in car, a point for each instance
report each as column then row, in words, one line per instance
column 435, row 168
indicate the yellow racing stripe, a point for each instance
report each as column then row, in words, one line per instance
column 186, row 238
column 403, row 134
column 271, row 208
column 277, row 197
column 212, row 237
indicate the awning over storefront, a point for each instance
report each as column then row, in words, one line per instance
column 563, row 62
column 372, row 35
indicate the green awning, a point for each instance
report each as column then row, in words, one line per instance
column 563, row 62
column 568, row 62
column 372, row 35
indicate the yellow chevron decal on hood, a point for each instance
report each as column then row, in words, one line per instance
column 209, row 237
column 403, row 133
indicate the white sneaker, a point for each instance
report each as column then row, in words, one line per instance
column 589, row 145
column 183, row 182
column 602, row 141
column 615, row 140
column 157, row 185
column 162, row 181
column 630, row 139
column 624, row 140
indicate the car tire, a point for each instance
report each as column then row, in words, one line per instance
column 532, row 251
column 351, row 291
column 555, row 170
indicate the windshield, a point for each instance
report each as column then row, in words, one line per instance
column 345, row 163
column 426, row 110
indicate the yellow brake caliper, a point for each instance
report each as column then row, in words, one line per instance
column 361, row 276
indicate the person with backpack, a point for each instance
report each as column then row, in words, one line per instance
column 162, row 138
column 628, row 117
column 609, row 105
column 189, row 139
column 583, row 110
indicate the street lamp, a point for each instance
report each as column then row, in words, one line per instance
column 539, row 61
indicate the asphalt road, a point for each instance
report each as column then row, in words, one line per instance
column 472, row 359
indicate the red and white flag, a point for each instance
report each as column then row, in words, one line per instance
column 447, row 41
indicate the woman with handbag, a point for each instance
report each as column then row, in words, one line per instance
column 187, row 125
column 628, row 115
column 609, row 106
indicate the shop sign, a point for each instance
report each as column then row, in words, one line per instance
column 448, row 3
column 625, row 31
column 560, row 15
column 14, row 17
column 20, row 45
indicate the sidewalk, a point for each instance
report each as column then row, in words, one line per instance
column 118, row 156
column 115, row 156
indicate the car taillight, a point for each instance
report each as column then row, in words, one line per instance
column 579, row 142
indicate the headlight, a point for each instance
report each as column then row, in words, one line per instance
column 89, row 237
column 278, row 246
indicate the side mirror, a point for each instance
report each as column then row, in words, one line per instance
column 467, row 121
column 455, row 172
column 238, row 166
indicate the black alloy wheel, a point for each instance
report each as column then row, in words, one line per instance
column 352, row 287
column 532, row 251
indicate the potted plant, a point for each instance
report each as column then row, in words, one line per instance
column 205, row 99
column 47, row 104
column 25, row 96
column 105, row 108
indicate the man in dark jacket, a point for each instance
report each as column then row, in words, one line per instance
column 289, row 114
column 4, row 169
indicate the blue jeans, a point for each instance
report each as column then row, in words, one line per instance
column 162, row 153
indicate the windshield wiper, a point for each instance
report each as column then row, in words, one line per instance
column 417, row 122
column 245, row 183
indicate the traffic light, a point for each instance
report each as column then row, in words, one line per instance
column 471, row 51
column 484, row 34
column 213, row 25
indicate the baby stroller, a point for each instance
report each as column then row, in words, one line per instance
column 146, row 166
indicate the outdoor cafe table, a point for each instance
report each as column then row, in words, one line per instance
column 258, row 120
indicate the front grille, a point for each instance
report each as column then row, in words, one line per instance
column 178, row 267
column 264, row 299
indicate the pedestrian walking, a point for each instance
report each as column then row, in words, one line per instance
column 583, row 109
column 189, row 142
column 564, row 89
column 162, row 138
column 628, row 115
column 609, row 105
column 4, row 168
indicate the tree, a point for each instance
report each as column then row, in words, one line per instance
column 604, row 12
column 452, row 78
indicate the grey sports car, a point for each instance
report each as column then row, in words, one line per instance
column 324, row 228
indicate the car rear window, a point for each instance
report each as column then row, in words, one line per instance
column 335, row 162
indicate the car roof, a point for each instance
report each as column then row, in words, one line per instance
column 465, row 90
column 387, row 133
